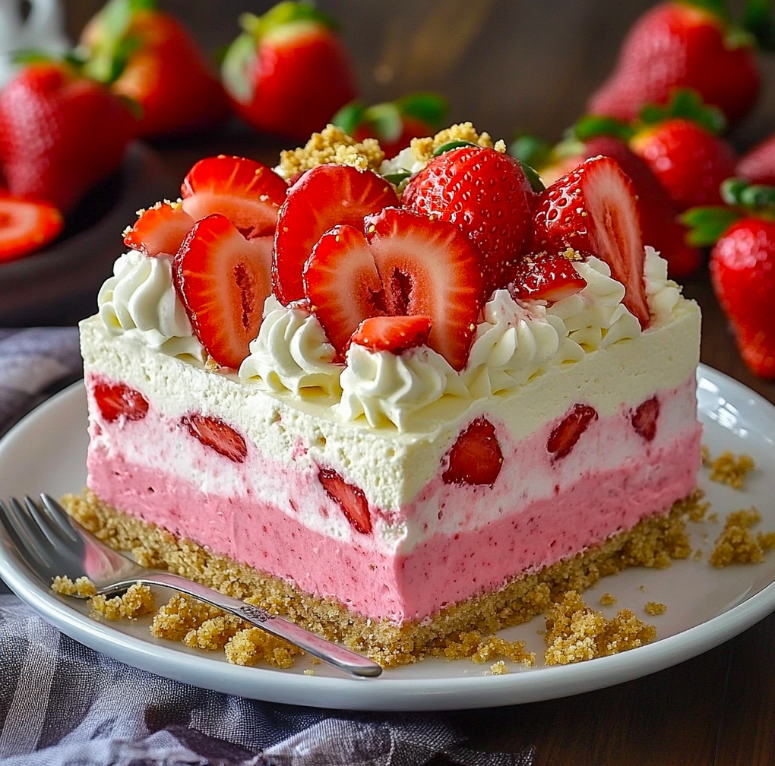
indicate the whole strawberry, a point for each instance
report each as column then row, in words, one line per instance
column 149, row 57
column 59, row 134
column 288, row 73
column 682, row 45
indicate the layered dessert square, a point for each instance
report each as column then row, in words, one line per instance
column 394, row 401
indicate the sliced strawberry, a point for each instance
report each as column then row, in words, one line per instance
column 214, row 433
column 223, row 280
column 429, row 268
column 644, row 419
column 26, row 226
column 395, row 334
column 546, row 276
column 342, row 284
column 565, row 435
column 248, row 193
column 159, row 229
column 476, row 457
column 349, row 498
column 119, row 401
column 323, row 197
column 594, row 208
column 487, row 195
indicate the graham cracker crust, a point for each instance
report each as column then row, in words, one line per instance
column 653, row 542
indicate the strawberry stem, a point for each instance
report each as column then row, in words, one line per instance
column 430, row 108
column 287, row 12
column 532, row 150
column 717, row 8
column 450, row 145
column 707, row 224
column 758, row 21
column 592, row 125
column 685, row 103
column 349, row 117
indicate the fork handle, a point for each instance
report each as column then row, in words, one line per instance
column 338, row 656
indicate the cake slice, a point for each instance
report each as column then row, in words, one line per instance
column 434, row 425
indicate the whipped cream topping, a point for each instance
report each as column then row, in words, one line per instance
column 140, row 301
column 663, row 294
column 404, row 160
column 292, row 353
column 392, row 388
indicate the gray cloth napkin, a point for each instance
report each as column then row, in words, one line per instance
column 62, row 704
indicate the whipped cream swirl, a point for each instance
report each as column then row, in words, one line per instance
column 404, row 160
column 392, row 388
column 662, row 293
column 292, row 353
column 139, row 300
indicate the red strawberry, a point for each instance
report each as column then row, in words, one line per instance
column 248, row 193
column 395, row 123
column 475, row 457
column 323, row 197
column 644, row 418
column 487, row 195
column 59, row 134
column 680, row 45
column 120, row 402
column 758, row 164
column 565, row 435
column 26, row 226
column 394, row 334
column 288, row 73
column 149, row 57
column 159, row 229
column 223, row 280
column 342, row 284
column 546, row 276
column 688, row 160
column 349, row 498
column 429, row 268
column 742, row 267
column 593, row 209
column 214, row 433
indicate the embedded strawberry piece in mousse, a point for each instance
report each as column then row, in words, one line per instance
column 248, row 193
column 349, row 498
column 546, row 276
column 223, row 280
column 487, row 195
column 476, row 457
column 593, row 208
column 323, row 197
column 119, row 401
column 644, row 419
column 565, row 435
column 159, row 229
column 395, row 334
column 429, row 268
column 342, row 284
column 214, row 433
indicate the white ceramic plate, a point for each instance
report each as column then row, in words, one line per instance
column 46, row 452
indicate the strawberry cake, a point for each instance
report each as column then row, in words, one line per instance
column 394, row 400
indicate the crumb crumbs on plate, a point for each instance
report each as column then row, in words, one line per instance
column 481, row 648
column 731, row 469
column 608, row 599
column 83, row 587
column 737, row 544
column 309, row 672
column 499, row 668
column 654, row 608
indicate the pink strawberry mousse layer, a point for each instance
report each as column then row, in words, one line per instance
column 612, row 479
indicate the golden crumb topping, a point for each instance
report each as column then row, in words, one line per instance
column 136, row 602
column 83, row 587
column 654, row 608
column 607, row 600
column 423, row 148
column 730, row 469
column 332, row 146
column 481, row 648
column 737, row 544
column 575, row 632
column 499, row 668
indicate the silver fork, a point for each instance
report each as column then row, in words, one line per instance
column 54, row 544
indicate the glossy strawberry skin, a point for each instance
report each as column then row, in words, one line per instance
column 120, row 402
column 484, row 193
column 546, row 276
column 392, row 333
column 758, row 164
column 742, row 268
column 160, row 229
column 349, row 498
column 567, row 433
column 217, row 435
column 674, row 46
column 26, row 226
column 59, row 134
column 475, row 457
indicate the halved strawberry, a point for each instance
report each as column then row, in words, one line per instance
column 119, row 401
column 644, row 419
column 248, row 193
column 349, row 498
column 429, row 268
column 159, row 229
column 26, row 226
column 565, row 435
column 223, row 280
column 342, row 284
column 487, row 195
column 593, row 208
column 476, row 457
column 546, row 276
column 216, row 434
column 323, row 197
column 395, row 334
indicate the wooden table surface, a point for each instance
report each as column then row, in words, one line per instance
column 532, row 65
